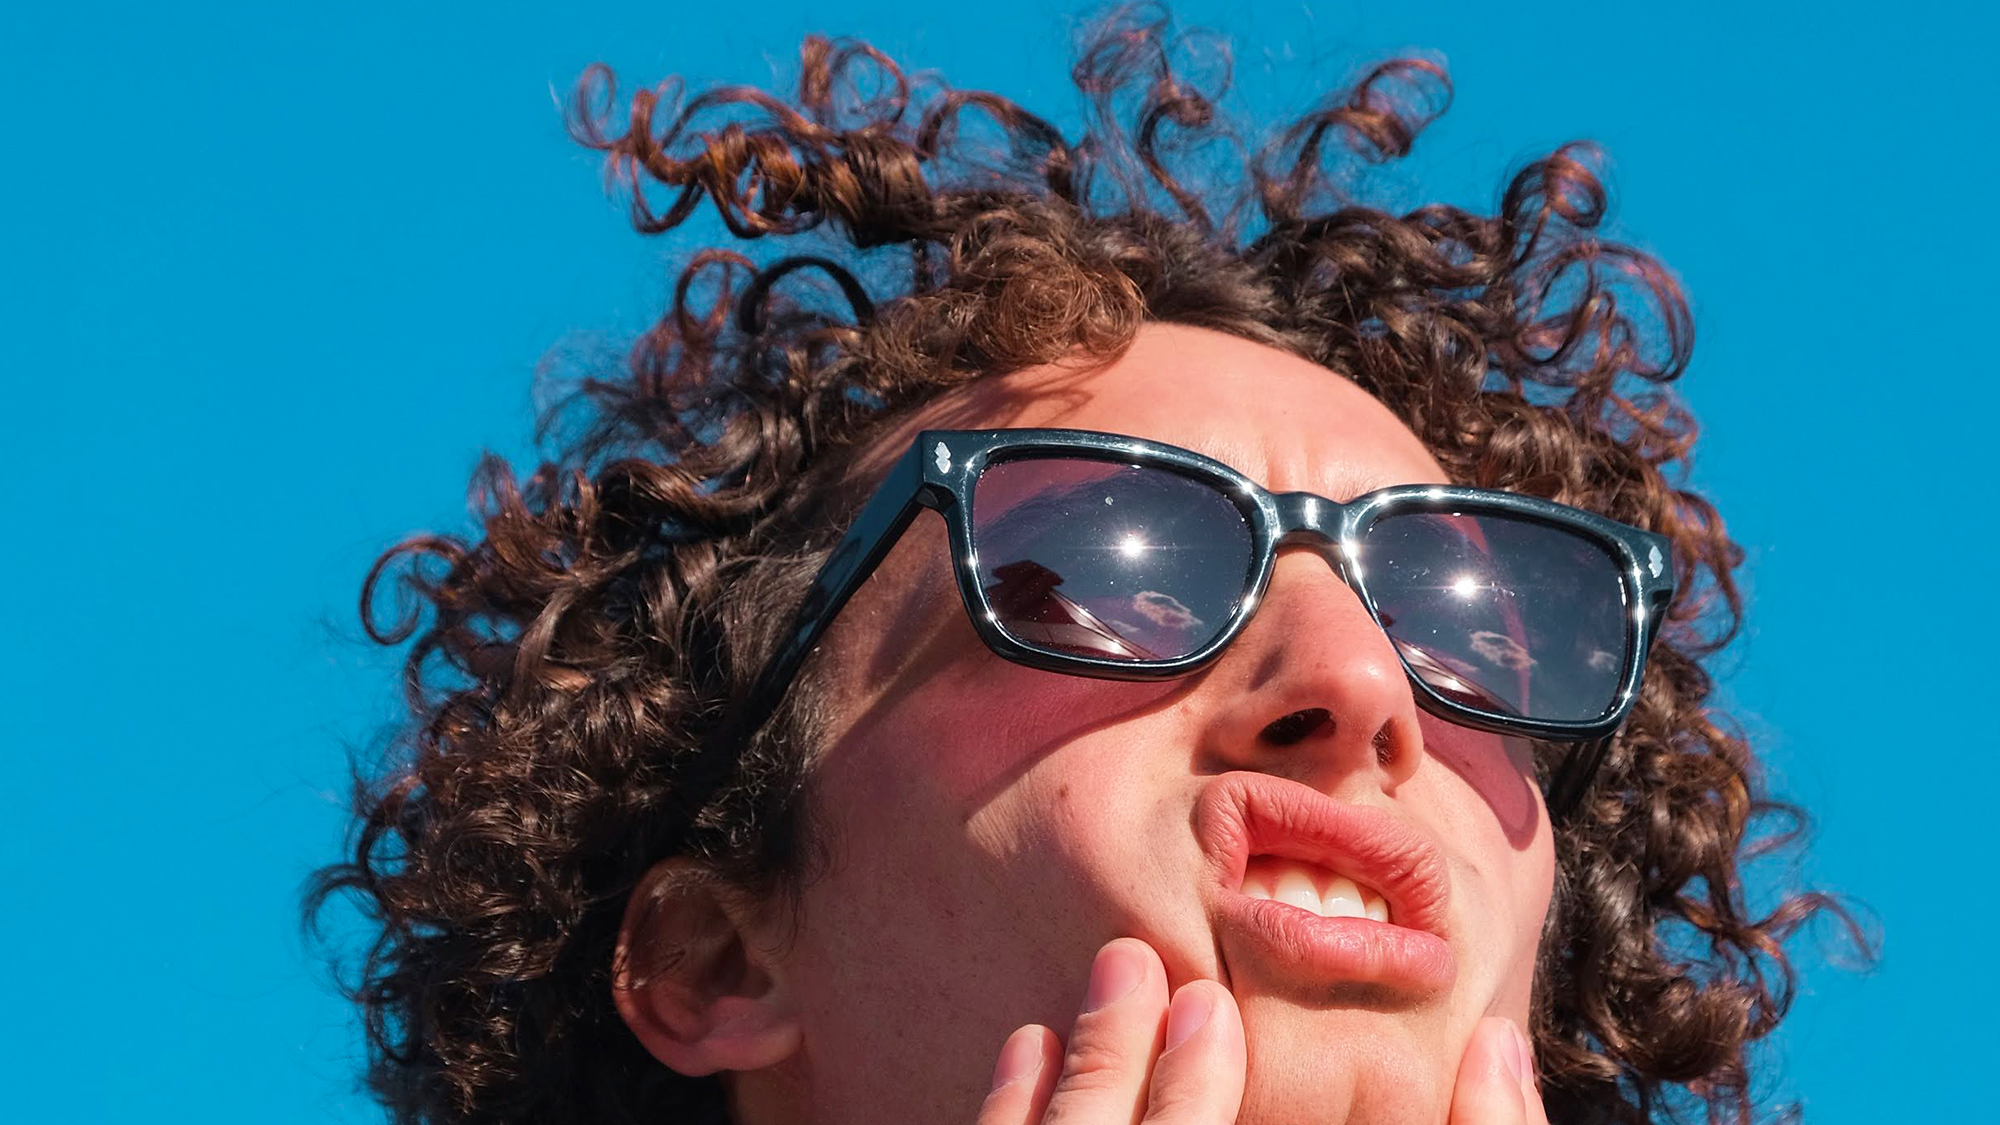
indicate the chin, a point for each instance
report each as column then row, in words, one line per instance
column 1321, row 1068
column 1376, row 1106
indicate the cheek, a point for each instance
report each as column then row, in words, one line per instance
column 984, row 782
column 1500, row 832
column 978, row 861
column 1499, row 771
column 978, row 735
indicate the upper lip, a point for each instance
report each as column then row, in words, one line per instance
column 1243, row 814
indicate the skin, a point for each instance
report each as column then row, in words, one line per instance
column 993, row 827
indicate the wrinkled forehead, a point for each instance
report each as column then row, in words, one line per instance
column 1282, row 420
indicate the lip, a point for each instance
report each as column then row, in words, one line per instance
column 1239, row 815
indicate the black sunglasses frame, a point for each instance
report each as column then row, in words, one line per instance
column 942, row 468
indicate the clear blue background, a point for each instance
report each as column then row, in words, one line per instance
column 273, row 278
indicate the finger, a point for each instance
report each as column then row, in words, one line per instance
column 1198, row 1080
column 1491, row 1077
column 1110, row 1052
column 1531, row 1083
column 1023, row 1077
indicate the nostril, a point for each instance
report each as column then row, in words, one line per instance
column 1295, row 726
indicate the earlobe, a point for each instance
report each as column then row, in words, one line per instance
column 690, row 980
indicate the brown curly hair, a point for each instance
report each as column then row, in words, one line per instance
column 574, row 658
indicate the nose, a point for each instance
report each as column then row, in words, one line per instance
column 1312, row 689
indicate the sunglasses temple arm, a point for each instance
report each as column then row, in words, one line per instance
column 1573, row 777
column 868, row 541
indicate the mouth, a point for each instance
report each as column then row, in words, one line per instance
column 1313, row 888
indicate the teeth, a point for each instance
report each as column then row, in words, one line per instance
column 1342, row 899
column 1312, row 889
column 1295, row 888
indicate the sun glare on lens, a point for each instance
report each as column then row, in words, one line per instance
column 1465, row 587
column 1131, row 546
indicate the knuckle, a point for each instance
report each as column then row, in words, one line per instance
column 1096, row 1064
column 1172, row 1104
column 1177, row 1093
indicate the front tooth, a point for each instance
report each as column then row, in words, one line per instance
column 1257, row 880
column 1378, row 907
column 1295, row 888
column 1342, row 899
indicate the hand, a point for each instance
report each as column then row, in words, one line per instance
column 1496, row 1078
column 1131, row 1057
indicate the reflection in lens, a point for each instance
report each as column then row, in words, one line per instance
column 1501, row 650
column 1024, row 596
column 1108, row 560
column 1502, row 613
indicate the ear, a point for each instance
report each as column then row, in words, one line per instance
column 691, row 979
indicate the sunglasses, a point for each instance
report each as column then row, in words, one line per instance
column 1096, row 554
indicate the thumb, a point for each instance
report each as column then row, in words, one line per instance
column 1492, row 1077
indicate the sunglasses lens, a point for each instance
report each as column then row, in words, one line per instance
column 1502, row 614
column 1108, row 560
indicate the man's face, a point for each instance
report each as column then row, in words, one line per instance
column 990, row 826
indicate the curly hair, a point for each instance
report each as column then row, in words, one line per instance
column 564, row 668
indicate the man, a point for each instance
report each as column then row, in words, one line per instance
column 1216, row 634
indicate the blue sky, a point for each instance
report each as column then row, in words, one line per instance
column 275, row 277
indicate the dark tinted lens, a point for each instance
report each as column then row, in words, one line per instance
column 1500, row 613
column 1108, row 560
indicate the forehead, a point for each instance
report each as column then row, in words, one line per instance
column 1283, row 421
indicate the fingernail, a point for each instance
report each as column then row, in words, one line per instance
column 1117, row 970
column 1520, row 1058
column 1020, row 1057
column 1190, row 1010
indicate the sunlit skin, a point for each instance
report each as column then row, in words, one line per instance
column 992, row 826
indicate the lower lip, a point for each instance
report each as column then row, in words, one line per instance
column 1342, row 949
